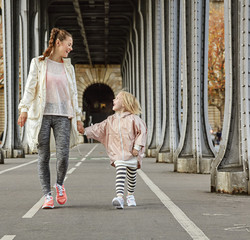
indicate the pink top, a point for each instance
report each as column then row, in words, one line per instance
column 58, row 100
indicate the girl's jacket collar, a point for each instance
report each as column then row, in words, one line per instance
column 123, row 114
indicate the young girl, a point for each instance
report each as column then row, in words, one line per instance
column 124, row 136
column 50, row 102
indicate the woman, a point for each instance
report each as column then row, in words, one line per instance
column 50, row 102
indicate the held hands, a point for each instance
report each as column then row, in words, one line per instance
column 80, row 127
column 22, row 119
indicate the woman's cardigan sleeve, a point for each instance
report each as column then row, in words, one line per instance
column 30, row 88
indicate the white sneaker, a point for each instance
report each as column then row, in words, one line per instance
column 131, row 201
column 118, row 202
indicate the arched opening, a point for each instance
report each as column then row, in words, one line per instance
column 97, row 103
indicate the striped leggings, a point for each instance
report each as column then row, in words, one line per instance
column 121, row 173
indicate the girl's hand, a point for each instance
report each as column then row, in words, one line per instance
column 80, row 127
column 138, row 165
column 22, row 119
column 135, row 152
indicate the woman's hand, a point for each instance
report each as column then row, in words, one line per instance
column 22, row 119
column 80, row 127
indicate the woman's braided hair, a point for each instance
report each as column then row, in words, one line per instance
column 55, row 34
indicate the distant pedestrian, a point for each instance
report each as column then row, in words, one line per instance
column 124, row 136
column 50, row 102
column 218, row 136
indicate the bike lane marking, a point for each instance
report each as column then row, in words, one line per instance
column 178, row 214
column 38, row 205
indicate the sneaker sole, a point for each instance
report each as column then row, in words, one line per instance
column 47, row 207
column 132, row 205
column 117, row 204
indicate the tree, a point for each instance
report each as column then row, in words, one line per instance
column 216, row 60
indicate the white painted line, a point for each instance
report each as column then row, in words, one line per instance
column 22, row 165
column 215, row 214
column 8, row 237
column 100, row 158
column 78, row 164
column 178, row 214
column 238, row 228
column 34, row 209
column 38, row 205
column 71, row 170
column 19, row 166
column 92, row 150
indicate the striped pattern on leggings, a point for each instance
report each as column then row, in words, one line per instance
column 121, row 173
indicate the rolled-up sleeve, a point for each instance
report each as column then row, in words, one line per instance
column 97, row 131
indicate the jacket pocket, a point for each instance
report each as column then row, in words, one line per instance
column 35, row 109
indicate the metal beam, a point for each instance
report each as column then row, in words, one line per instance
column 82, row 29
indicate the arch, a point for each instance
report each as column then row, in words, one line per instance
column 86, row 75
column 97, row 103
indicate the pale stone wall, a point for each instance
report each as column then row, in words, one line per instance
column 86, row 76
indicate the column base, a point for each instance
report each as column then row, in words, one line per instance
column 6, row 153
column 151, row 153
column 165, row 157
column 189, row 165
column 15, row 153
column 205, row 165
column 1, row 157
column 18, row 153
column 232, row 182
column 186, row 165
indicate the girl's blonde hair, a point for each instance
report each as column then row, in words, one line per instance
column 55, row 34
column 130, row 102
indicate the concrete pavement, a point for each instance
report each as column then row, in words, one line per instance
column 170, row 205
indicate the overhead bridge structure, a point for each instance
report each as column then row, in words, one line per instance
column 161, row 48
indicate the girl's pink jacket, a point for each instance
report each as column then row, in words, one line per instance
column 119, row 133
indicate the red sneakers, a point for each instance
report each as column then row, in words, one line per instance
column 61, row 196
column 49, row 202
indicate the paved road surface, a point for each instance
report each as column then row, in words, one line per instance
column 171, row 206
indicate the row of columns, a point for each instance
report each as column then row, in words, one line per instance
column 173, row 57
column 173, row 53
column 165, row 66
column 22, row 40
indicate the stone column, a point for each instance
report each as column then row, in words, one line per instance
column 230, row 169
column 150, row 82
column 194, row 153
column 170, row 136
column 11, row 141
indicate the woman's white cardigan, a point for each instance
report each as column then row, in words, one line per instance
column 34, row 100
